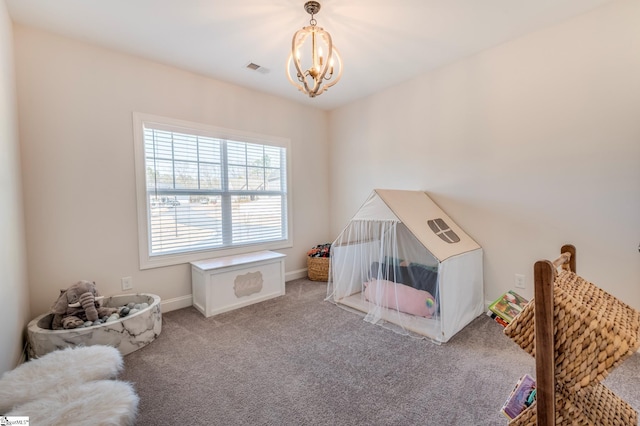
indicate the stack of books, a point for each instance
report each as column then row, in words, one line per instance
column 521, row 397
column 507, row 307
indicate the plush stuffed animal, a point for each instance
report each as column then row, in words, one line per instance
column 401, row 297
column 78, row 304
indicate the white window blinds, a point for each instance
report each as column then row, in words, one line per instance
column 211, row 193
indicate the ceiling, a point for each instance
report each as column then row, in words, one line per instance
column 382, row 42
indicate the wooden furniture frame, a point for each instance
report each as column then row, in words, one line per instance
column 544, row 273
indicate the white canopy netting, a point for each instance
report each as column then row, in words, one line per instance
column 394, row 262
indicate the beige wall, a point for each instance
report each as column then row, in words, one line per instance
column 527, row 146
column 14, row 314
column 75, row 105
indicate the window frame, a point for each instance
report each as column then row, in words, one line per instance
column 147, row 261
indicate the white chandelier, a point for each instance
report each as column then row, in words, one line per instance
column 313, row 72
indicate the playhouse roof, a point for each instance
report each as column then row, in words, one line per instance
column 426, row 221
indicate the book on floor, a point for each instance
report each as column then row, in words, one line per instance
column 508, row 306
column 521, row 397
column 497, row 319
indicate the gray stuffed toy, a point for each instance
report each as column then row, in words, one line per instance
column 78, row 304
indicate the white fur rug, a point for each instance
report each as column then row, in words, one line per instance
column 64, row 368
column 96, row 403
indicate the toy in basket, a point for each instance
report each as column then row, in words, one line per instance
column 318, row 262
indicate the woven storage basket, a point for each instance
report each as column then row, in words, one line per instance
column 593, row 333
column 318, row 268
column 592, row 406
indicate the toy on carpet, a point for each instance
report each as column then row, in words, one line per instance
column 403, row 298
column 78, row 304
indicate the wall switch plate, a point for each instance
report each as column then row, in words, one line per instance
column 519, row 281
column 127, row 283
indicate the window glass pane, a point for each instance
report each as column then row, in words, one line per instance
column 236, row 153
column 272, row 180
column 185, row 147
column 255, row 155
column 158, row 144
column 209, row 150
column 193, row 184
column 186, row 175
column 184, row 222
column 257, row 218
column 150, row 174
column 255, row 178
column 210, row 176
column 272, row 156
column 163, row 177
column 237, row 178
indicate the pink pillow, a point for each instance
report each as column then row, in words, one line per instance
column 401, row 297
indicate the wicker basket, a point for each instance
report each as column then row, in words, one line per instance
column 595, row 405
column 318, row 268
column 594, row 332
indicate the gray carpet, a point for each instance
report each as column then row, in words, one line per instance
column 298, row 360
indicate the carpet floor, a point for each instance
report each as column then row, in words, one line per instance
column 299, row 360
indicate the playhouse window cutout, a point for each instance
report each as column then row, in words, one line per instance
column 442, row 230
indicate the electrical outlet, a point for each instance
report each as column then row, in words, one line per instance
column 519, row 281
column 127, row 283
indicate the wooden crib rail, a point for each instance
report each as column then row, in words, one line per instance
column 544, row 273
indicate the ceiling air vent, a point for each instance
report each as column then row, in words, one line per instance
column 255, row 67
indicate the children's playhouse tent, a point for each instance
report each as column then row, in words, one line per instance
column 402, row 260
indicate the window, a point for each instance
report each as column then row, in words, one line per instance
column 205, row 191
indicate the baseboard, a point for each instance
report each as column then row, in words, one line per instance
column 294, row 275
column 176, row 303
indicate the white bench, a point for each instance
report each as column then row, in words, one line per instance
column 231, row 282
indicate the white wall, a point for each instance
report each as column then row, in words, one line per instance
column 528, row 145
column 14, row 314
column 75, row 107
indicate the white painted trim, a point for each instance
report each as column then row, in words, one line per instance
column 146, row 261
column 294, row 275
column 176, row 303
